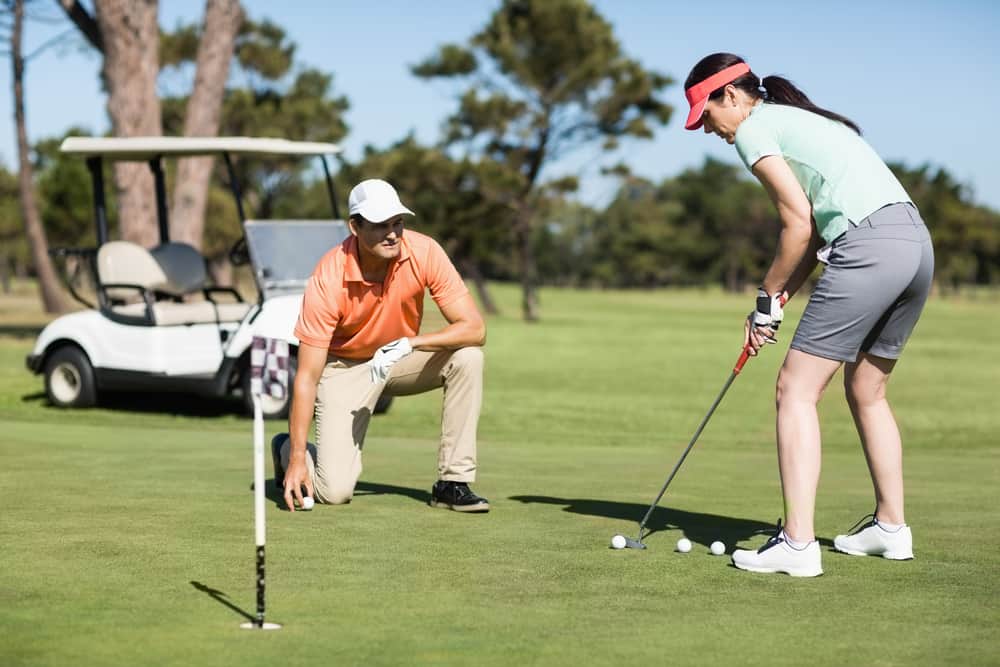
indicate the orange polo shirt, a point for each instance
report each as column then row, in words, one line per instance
column 353, row 318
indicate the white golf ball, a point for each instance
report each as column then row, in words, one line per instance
column 618, row 542
column 684, row 545
column 307, row 502
column 718, row 548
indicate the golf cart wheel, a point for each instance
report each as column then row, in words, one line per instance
column 271, row 408
column 69, row 379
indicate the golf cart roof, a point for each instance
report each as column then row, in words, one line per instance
column 145, row 148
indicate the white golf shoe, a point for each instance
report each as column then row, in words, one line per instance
column 778, row 556
column 871, row 539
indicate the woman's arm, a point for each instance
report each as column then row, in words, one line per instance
column 806, row 266
column 795, row 213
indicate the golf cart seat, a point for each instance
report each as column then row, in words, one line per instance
column 135, row 289
column 184, row 268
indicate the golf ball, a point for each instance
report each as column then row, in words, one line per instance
column 618, row 542
column 307, row 503
column 718, row 548
column 684, row 545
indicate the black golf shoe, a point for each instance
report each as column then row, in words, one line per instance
column 457, row 496
column 279, row 472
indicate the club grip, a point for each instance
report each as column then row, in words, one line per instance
column 745, row 355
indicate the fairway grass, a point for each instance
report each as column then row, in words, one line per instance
column 128, row 531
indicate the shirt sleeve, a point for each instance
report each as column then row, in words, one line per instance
column 755, row 139
column 320, row 312
column 442, row 278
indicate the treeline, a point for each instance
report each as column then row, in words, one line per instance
column 711, row 225
column 539, row 80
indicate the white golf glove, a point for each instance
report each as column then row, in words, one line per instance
column 386, row 356
column 768, row 312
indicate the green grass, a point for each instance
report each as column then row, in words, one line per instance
column 116, row 520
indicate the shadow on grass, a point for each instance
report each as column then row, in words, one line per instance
column 273, row 493
column 179, row 405
column 220, row 597
column 20, row 330
column 696, row 526
column 277, row 496
column 373, row 489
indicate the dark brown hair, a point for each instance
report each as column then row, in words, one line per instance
column 776, row 89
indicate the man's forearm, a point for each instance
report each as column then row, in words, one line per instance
column 452, row 337
column 300, row 417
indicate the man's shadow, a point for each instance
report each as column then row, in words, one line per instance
column 696, row 526
column 277, row 496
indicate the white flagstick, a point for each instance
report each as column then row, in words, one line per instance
column 258, row 512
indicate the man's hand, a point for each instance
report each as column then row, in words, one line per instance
column 763, row 321
column 386, row 356
column 296, row 477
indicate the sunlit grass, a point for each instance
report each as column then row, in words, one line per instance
column 118, row 521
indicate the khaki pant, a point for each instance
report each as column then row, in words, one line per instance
column 346, row 397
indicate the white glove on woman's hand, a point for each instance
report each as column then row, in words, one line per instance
column 769, row 312
column 767, row 315
column 386, row 356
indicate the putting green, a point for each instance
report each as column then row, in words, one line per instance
column 128, row 532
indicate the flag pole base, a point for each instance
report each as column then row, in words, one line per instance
column 266, row 626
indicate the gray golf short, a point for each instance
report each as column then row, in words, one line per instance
column 870, row 296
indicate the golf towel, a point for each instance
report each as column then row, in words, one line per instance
column 269, row 367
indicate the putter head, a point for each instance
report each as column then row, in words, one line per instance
column 634, row 544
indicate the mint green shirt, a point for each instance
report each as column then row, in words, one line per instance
column 843, row 177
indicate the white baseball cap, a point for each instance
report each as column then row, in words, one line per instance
column 375, row 201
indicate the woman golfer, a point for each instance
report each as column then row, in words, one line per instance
column 839, row 204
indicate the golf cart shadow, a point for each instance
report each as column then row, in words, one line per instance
column 696, row 526
column 20, row 331
column 180, row 405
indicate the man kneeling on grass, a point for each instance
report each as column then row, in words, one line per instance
column 358, row 335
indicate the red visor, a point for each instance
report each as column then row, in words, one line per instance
column 697, row 95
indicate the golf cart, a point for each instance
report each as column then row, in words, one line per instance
column 157, row 325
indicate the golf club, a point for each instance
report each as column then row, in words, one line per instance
column 744, row 356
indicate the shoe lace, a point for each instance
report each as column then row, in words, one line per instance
column 456, row 490
column 774, row 540
column 864, row 522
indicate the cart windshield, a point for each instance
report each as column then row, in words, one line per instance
column 283, row 253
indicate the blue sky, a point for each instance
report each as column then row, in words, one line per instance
column 920, row 77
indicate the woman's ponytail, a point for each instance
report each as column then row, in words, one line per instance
column 775, row 89
column 780, row 90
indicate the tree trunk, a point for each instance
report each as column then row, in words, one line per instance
column 223, row 19
column 220, row 270
column 529, row 293
column 48, row 282
column 5, row 273
column 130, row 37
column 485, row 298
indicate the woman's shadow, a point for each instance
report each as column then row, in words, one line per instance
column 696, row 526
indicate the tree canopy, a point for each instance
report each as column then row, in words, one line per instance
column 542, row 78
column 537, row 81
